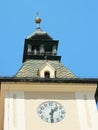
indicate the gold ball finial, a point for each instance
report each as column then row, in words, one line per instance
column 37, row 20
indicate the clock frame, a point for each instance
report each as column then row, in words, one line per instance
column 51, row 112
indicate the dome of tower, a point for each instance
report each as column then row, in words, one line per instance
column 39, row 35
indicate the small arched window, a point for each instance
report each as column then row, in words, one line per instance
column 47, row 74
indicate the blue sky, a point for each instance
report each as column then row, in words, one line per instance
column 73, row 22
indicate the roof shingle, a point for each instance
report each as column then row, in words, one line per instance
column 30, row 69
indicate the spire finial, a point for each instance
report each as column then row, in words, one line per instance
column 38, row 20
column 37, row 14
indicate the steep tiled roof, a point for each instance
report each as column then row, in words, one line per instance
column 30, row 69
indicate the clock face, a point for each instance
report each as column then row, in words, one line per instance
column 51, row 112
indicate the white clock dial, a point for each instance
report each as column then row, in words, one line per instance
column 51, row 112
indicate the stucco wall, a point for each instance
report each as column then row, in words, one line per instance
column 20, row 107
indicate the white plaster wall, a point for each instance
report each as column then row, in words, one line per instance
column 14, row 113
column 33, row 121
column 20, row 110
column 87, row 110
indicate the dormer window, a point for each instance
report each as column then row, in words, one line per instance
column 47, row 74
column 47, row 71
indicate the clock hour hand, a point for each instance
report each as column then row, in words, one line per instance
column 51, row 113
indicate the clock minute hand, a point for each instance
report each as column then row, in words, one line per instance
column 51, row 113
column 55, row 109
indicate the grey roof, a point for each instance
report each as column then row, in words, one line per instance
column 39, row 35
column 30, row 69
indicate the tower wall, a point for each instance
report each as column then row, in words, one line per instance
column 22, row 100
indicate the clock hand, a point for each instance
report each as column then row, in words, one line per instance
column 55, row 109
column 51, row 113
column 52, row 120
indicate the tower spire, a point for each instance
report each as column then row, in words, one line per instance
column 38, row 20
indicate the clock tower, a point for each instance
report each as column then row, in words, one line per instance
column 44, row 94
